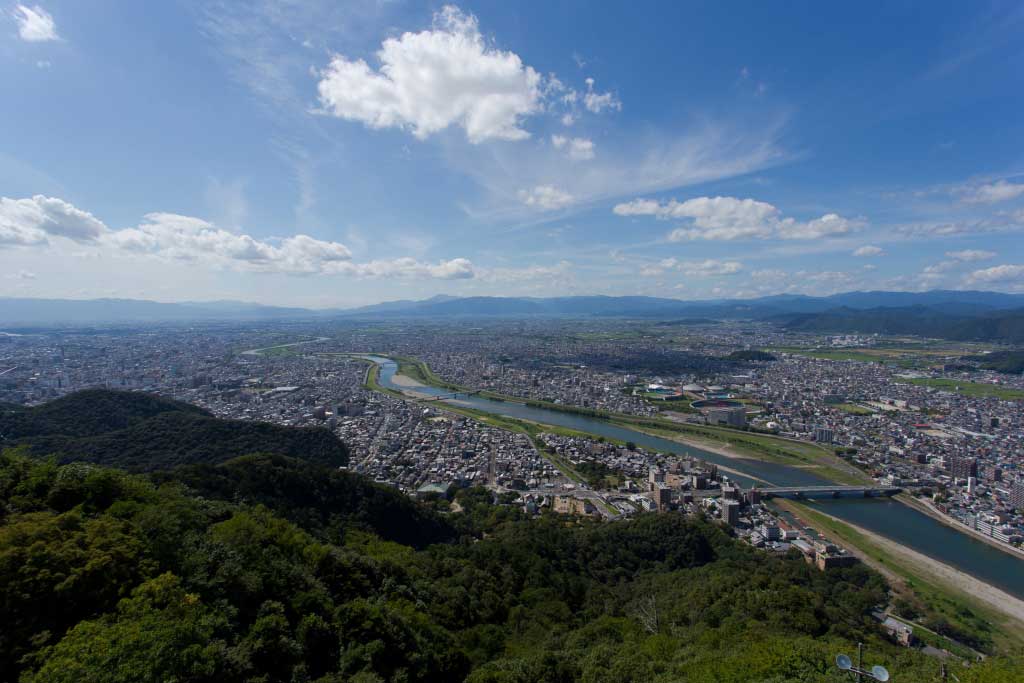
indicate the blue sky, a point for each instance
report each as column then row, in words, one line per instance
column 333, row 154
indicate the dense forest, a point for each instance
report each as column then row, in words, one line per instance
column 751, row 354
column 141, row 432
column 1009, row 362
column 922, row 321
column 269, row 568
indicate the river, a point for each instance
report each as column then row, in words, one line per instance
column 886, row 517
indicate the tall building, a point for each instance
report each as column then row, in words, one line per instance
column 824, row 435
column 663, row 497
column 1017, row 495
column 731, row 512
column 962, row 468
column 729, row 416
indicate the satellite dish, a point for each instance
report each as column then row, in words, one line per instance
column 880, row 673
column 844, row 662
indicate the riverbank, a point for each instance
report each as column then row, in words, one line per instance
column 831, row 468
column 936, row 514
column 959, row 598
column 732, row 444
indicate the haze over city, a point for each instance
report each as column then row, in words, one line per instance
column 276, row 152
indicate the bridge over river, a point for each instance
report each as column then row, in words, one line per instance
column 828, row 491
column 872, row 509
column 445, row 397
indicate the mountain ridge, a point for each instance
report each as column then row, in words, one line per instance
column 16, row 312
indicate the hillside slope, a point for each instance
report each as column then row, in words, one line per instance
column 923, row 321
column 141, row 432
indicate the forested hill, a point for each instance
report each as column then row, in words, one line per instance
column 323, row 500
column 87, row 413
column 142, row 432
column 107, row 576
column 999, row 326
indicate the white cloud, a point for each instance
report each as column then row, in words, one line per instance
column 705, row 268
column 1003, row 221
column 176, row 238
column 578, row 149
column 729, row 218
column 598, row 102
column 991, row 193
column 868, row 250
column 185, row 238
column 546, row 198
column 35, row 25
column 434, row 79
column 969, row 255
column 541, row 275
column 1001, row 275
column 33, row 220
column 410, row 268
column 709, row 267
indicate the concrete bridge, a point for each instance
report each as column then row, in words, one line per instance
column 830, row 491
column 443, row 397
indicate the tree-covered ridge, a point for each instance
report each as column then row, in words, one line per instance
column 922, row 321
column 1009, row 362
column 323, row 500
column 87, row 413
column 108, row 576
column 751, row 354
column 141, row 432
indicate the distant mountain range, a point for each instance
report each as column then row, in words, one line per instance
column 940, row 313
column 653, row 307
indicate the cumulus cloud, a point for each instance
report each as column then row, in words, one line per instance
column 32, row 220
column 999, row 275
column 427, row 81
column 705, row 268
column 185, row 238
column 729, row 218
column 173, row 237
column 991, row 193
column 868, row 250
column 578, row 149
column 35, row 25
column 598, row 102
column 410, row 268
column 546, row 198
column 969, row 255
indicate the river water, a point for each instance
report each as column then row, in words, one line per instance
column 886, row 517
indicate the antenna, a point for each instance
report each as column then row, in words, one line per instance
column 877, row 672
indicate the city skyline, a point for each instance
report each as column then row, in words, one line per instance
column 278, row 153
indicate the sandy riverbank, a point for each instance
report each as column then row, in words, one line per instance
column 704, row 445
column 929, row 568
column 405, row 381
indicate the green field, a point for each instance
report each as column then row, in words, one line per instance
column 853, row 409
column 761, row 447
column 907, row 356
column 967, row 388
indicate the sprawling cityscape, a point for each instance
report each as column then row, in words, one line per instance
column 916, row 418
column 365, row 341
